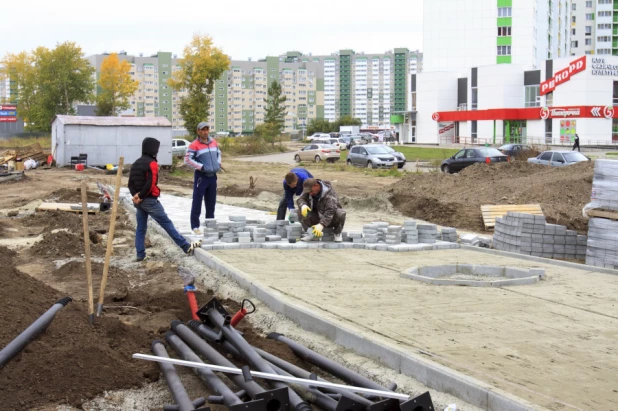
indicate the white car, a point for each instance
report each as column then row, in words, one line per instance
column 319, row 136
column 179, row 146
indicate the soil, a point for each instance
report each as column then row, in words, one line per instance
column 235, row 191
column 455, row 200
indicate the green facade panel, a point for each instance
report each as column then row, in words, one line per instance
column 140, row 109
column 272, row 69
column 320, row 84
column 503, row 59
column 505, row 3
column 219, row 122
column 247, row 121
column 505, row 21
column 320, row 112
column 345, row 83
column 164, row 68
column 396, row 119
column 400, row 80
column 302, row 111
column 504, row 41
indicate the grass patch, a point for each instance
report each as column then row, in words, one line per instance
column 612, row 154
column 16, row 142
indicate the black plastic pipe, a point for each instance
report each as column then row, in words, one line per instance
column 179, row 393
column 207, row 375
column 34, row 330
column 332, row 367
column 252, row 357
column 198, row 402
column 211, row 335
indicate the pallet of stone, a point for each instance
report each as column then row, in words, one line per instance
column 604, row 195
column 449, row 234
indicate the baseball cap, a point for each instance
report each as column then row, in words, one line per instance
column 202, row 125
column 310, row 182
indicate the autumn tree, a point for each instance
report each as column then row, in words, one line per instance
column 115, row 86
column 274, row 117
column 201, row 66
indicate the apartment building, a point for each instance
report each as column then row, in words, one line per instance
column 459, row 34
column 369, row 87
column 594, row 27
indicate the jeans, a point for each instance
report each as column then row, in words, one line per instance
column 313, row 218
column 283, row 207
column 153, row 208
column 204, row 189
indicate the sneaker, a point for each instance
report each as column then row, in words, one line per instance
column 308, row 238
column 144, row 258
column 197, row 231
column 193, row 246
column 338, row 238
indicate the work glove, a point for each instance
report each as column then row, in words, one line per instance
column 317, row 230
column 304, row 210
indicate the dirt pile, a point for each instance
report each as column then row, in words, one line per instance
column 65, row 195
column 455, row 200
column 72, row 361
column 234, row 190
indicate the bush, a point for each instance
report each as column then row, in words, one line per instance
column 249, row 145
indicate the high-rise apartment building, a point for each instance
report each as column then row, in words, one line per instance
column 366, row 86
column 594, row 27
column 470, row 33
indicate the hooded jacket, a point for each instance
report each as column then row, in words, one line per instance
column 144, row 174
column 325, row 203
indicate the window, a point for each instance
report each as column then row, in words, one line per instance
column 473, row 130
column 504, row 31
column 546, row 156
column 531, row 94
column 589, row 16
column 606, row 13
column 573, row 19
column 504, row 50
column 604, row 26
column 573, row 31
column 604, row 51
column 588, row 42
column 604, row 2
column 604, row 39
column 504, row 12
column 574, row 7
column 588, row 30
column 574, row 44
column 615, row 95
column 474, row 98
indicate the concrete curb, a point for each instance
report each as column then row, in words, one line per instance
column 431, row 374
column 582, row 267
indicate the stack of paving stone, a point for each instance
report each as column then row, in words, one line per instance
column 273, row 238
column 530, row 234
column 410, row 232
column 382, row 228
column 211, row 234
column 294, row 231
column 328, row 234
column 271, row 228
column 281, row 228
column 355, row 237
column 370, row 233
column 225, row 233
column 258, row 234
column 393, row 235
column 427, row 233
column 449, row 234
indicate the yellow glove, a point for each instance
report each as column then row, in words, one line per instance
column 304, row 210
column 317, row 230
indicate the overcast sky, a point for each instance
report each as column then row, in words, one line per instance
column 242, row 28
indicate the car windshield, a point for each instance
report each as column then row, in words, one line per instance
column 376, row 150
column 389, row 149
column 574, row 157
column 490, row 152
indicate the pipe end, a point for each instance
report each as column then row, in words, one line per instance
column 194, row 324
column 155, row 342
column 64, row 301
column 176, row 323
column 274, row 336
column 303, row 406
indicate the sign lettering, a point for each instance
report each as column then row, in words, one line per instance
column 562, row 76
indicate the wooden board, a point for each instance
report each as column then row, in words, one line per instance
column 611, row 215
column 491, row 212
column 93, row 208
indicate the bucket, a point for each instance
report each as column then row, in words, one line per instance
column 79, row 167
column 50, row 159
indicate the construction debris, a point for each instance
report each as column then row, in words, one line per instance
column 93, row 208
column 34, row 152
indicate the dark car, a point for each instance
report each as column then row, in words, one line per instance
column 468, row 156
column 512, row 150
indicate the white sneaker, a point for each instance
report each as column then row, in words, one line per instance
column 197, row 231
column 338, row 238
column 194, row 245
column 308, row 238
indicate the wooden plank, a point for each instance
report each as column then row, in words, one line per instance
column 491, row 212
column 93, row 208
column 611, row 215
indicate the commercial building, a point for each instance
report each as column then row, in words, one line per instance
column 594, row 27
column 372, row 87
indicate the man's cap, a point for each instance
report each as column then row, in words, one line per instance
column 310, row 182
column 202, row 125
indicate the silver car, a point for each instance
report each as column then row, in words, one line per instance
column 558, row 158
column 401, row 158
column 179, row 146
column 370, row 156
column 317, row 153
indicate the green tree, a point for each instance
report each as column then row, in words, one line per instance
column 275, row 110
column 201, row 66
column 347, row 121
column 319, row 125
column 116, row 86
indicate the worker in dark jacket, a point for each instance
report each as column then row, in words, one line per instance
column 292, row 185
column 319, row 208
column 576, row 145
column 143, row 186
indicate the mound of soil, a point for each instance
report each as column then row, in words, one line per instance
column 74, row 273
column 64, row 195
column 72, row 360
column 234, row 190
column 64, row 244
column 455, row 200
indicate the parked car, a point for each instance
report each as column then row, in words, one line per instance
column 401, row 158
column 317, row 153
column 318, row 135
column 358, row 139
column 370, row 156
column 179, row 146
column 468, row 156
column 512, row 150
column 558, row 158
column 335, row 135
column 346, row 139
column 387, row 136
column 339, row 143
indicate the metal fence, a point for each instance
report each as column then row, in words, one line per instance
column 544, row 141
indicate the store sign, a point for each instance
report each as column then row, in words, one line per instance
column 435, row 116
column 8, row 119
column 601, row 68
column 446, row 130
column 560, row 112
column 8, row 113
column 564, row 75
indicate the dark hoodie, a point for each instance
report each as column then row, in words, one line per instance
column 145, row 171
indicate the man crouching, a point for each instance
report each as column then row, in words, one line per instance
column 319, row 207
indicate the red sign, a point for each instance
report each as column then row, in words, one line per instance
column 532, row 113
column 8, row 119
column 8, row 107
column 435, row 116
column 564, row 75
column 447, row 128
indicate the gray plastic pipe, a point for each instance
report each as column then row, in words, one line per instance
column 34, row 330
column 179, row 393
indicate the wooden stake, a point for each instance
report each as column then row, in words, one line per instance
column 110, row 236
column 87, row 251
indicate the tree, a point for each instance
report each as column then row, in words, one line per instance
column 116, row 86
column 319, row 125
column 275, row 110
column 20, row 69
column 201, row 66
column 348, row 121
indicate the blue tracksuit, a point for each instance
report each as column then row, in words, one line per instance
column 287, row 202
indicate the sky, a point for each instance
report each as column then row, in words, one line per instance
column 241, row 28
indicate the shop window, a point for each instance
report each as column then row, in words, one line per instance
column 474, row 99
column 549, row 99
column 532, row 96
column 615, row 130
column 548, row 131
column 615, row 96
column 473, row 132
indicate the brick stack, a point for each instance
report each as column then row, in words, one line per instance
column 410, row 232
column 356, row 237
column 370, row 233
column 449, row 234
column 427, row 233
column 258, row 235
column 393, row 235
column 294, row 231
column 281, row 228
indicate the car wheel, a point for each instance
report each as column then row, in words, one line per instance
column 369, row 164
column 317, row 159
column 401, row 165
column 348, row 163
column 446, row 169
column 297, row 158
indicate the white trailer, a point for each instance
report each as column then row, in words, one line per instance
column 349, row 129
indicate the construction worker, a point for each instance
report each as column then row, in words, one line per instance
column 204, row 156
column 319, row 208
column 143, row 187
column 292, row 185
